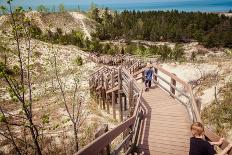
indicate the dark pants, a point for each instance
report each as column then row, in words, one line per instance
column 148, row 83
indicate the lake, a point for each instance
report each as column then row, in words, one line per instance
column 181, row 5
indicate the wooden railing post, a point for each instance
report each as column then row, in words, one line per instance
column 143, row 75
column 155, row 77
column 125, row 103
column 173, row 82
column 103, row 92
column 130, row 96
column 120, row 105
column 120, row 93
column 100, row 132
column 113, row 94
column 106, row 88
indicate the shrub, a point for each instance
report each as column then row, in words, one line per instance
column 79, row 61
column 220, row 114
column 178, row 52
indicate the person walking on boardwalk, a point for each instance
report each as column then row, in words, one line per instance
column 199, row 146
column 148, row 76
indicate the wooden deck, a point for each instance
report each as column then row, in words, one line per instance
column 167, row 125
column 158, row 121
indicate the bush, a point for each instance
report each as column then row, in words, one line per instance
column 79, row 61
column 36, row 32
column 220, row 114
column 178, row 52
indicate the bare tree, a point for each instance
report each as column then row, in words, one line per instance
column 72, row 106
column 20, row 87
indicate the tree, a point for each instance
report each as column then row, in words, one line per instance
column 20, row 87
column 78, row 8
column 61, row 8
column 208, row 29
column 4, row 52
column 53, row 8
column 74, row 106
column 2, row 10
column 42, row 8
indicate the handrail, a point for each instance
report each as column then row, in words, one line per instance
column 128, row 79
column 194, row 109
column 96, row 146
column 101, row 142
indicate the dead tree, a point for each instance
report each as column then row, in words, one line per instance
column 20, row 87
column 74, row 106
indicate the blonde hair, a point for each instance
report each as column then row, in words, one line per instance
column 197, row 129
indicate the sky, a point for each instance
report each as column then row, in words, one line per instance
column 67, row 2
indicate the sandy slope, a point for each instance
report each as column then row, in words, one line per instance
column 2, row 19
column 80, row 18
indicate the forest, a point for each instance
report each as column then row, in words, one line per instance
column 209, row 29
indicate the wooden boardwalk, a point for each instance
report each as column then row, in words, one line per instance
column 158, row 121
column 167, row 123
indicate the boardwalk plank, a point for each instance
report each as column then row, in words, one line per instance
column 167, row 125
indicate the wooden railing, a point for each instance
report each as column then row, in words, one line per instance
column 123, row 80
column 130, row 128
column 182, row 92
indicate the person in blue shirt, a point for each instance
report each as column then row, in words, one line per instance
column 148, row 76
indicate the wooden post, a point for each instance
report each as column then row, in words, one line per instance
column 155, row 77
column 104, row 98
column 103, row 92
column 113, row 95
column 143, row 75
column 100, row 132
column 120, row 105
column 119, row 93
column 130, row 96
column 173, row 82
column 107, row 101
column 125, row 103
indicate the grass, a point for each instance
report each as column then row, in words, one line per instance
column 219, row 115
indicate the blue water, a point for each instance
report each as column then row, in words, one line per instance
column 181, row 5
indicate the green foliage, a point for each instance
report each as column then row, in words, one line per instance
column 35, row 31
column 95, row 46
column 220, row 115
column 130, row 49
column 178, row 52
column 61, row 8
column 209, row 29
column 193, row 56
column 3, row 10
column 45, row 118
column 16, row 69
column 79, row 61
column 165, row 52
column 42, row 8
column 2, row 118
column 74, row 38
column 13, row 96
column 106, row 48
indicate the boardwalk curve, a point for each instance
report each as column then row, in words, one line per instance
column 152, row 123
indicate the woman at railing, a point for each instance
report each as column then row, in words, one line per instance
column 199, row 146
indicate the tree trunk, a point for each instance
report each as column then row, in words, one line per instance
column 75, row 137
